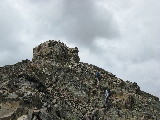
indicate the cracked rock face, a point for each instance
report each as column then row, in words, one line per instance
column 55, row 85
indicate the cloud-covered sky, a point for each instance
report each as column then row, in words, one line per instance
column 121, row 36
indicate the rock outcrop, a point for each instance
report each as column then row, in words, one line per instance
column 55, row 85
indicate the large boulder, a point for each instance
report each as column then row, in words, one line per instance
column 57, row 51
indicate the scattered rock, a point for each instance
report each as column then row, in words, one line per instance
column 55, row 85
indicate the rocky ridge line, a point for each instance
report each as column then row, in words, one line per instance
column 55, row 85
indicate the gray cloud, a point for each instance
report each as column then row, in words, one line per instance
column 85, row 21
column 10, row 23
column 80, row 22
column 119, row 36
column 135, row 56
column 11, row 26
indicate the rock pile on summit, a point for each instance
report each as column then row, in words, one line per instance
column 55, row 85
column 55, row 51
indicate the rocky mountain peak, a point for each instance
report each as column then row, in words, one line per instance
column 56, row 51
column 56, row 86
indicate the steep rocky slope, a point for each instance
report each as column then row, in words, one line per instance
column 56, row 86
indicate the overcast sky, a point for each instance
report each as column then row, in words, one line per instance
column 120, row 36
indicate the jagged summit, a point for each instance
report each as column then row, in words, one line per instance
column 56, row 51
column 56, row 86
